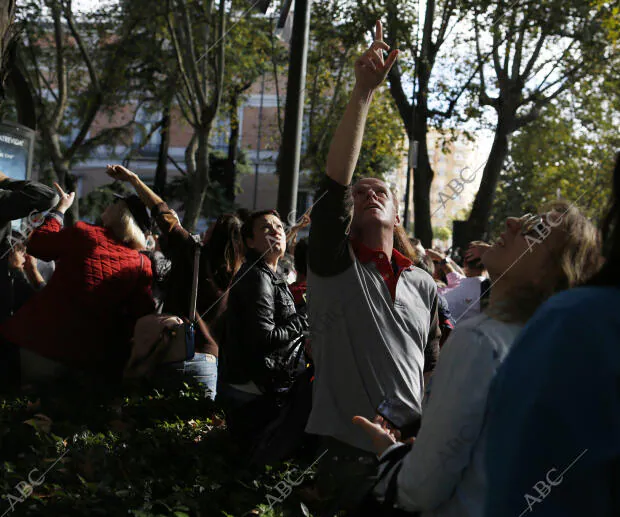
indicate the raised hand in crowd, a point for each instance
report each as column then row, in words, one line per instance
column 30, row 263
column 372, row 68
column 447, row 265
column 291, row 236
column 476, row 250
column 66, row 200
column 120, row 173
column 147, row 196
column 436, row 256
column 32, row 272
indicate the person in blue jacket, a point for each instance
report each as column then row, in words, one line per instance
column 553, row 446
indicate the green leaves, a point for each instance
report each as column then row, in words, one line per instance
column 146, row 451
column 569, row 149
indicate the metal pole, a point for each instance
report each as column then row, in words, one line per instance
column 412, row 163
column 259, row 142
column 294, row 111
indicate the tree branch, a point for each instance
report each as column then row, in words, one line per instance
column 61, row 73
column 534, row 57
column 92, row 74
column 400, row 97
column 516, row 62
column 540, row 102
column 509, row 40
column 447, row 13
column 483, row 97
column 134, row 149
column 105, row 135
column 190, row 155
column 499, row 71
column 220, row 61
column 99, row 96
column 452, row 105
column 182, row 101
column 189, row 43
column 36, row 83
column 179, row 58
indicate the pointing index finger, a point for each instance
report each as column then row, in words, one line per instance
column 379, row 31
column 59, row 189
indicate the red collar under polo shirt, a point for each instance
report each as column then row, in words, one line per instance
column 389, row 272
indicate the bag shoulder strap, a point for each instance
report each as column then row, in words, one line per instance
column 194, row 291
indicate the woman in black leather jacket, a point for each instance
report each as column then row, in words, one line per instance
column 262, row 349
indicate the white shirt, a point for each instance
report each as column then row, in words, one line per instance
column 463, row 295
column 443, row 475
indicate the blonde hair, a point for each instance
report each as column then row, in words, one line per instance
column 124, row 226
column 573, row 259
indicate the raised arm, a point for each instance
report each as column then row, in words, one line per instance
column 179, row 239
column 370, row 71
column 328, row 253
column 49, row 241
column 148, row 197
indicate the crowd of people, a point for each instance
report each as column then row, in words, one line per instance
column 427, row 387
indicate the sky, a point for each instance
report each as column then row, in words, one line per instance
column 86, row 5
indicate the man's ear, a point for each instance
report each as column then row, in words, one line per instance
column 396, row 218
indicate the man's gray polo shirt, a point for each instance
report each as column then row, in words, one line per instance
column 365, row 346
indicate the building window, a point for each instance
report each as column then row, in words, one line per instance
column 146, row 122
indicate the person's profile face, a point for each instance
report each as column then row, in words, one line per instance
column 521, row 254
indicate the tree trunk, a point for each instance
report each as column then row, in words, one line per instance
column 161, row 172
column 423, row 173
column 7, row 12
column 230, row 174
column 422, row 180
column 481, row 211
column 199, row 182
column 20, row 91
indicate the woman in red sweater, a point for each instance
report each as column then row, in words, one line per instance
column 83, row 319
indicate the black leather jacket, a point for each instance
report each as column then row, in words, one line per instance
column 262, row 328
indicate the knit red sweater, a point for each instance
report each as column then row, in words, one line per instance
column 84, row 317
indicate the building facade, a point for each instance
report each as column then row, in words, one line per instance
column 259, row 138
